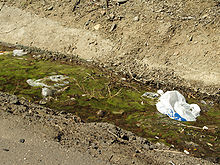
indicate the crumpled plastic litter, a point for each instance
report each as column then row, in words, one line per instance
column 173, row 104
column 19, row 53
column 150, row 95
column 36, row 83
column 46, row 89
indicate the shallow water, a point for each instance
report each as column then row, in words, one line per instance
column 98, row 96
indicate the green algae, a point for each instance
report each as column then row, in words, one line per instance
column 90, row 90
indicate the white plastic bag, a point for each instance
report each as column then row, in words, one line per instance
column 173, row 104
column 19, row 53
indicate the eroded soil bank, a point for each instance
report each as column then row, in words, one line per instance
column 167, row 42
column 166, row 45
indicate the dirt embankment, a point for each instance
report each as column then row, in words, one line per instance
column 167, row 42
column 105, row 142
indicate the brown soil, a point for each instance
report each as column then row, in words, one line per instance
column 32, row 134
column 174, row 43
column 168, row 42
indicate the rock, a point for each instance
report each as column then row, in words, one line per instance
column 203, row 102
column 22, row 140
column 113, row 27
column 87, row 23
column 112, row 16
column 121, row 1
column 101, row 113
column 13, row 100
column 97, row 27
column 50, row 8
column 42, row 102
column 103, row 12
column 186, row 152
column 152, row 147
column 136, row 18
column 5, row 149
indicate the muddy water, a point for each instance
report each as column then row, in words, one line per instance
column 98, row 96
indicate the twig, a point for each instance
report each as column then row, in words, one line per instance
column 190, row 126
column 109, row 91
column 116, row 93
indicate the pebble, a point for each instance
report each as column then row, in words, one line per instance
column 50, row 8
column 121, row 1
column 101, row 113
column 87, row 23
column 42, row 102
column 22, row 140
column 113, row 27
column 97, row 27
column 186, row 152
column 112, row 16
column 203, row 102
column 136, row 18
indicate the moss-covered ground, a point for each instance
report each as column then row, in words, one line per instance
column 91, row 90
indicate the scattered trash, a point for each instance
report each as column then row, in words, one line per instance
column 19, row 53
column 153, row 95
column 46, row 92
column 173, row 104
column 57, row 78
column 150, row 95
column 186, row 152
column 36, row 83
column 205, row 128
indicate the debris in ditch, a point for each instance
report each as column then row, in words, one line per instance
column 173, row 104
column 150, row 95
column 47, row 92
column 186, row 152
column 36, row 83
column 19, row 53
column 57, row 78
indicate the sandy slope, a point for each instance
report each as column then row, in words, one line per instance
column 170, row 42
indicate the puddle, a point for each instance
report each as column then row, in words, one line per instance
column 97, row 96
